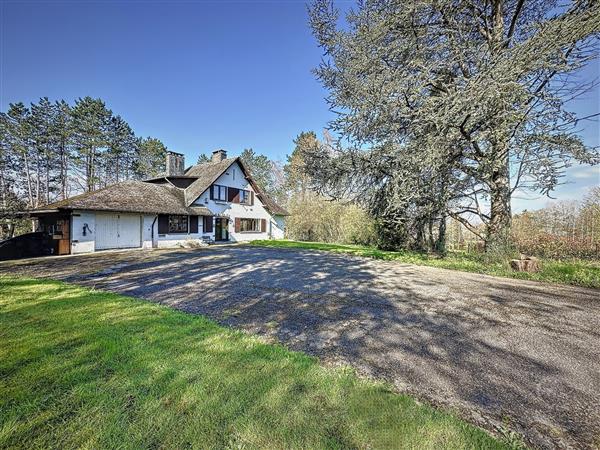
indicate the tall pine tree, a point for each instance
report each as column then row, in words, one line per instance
column 91, row 121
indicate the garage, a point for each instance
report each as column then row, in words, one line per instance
column 118, row 231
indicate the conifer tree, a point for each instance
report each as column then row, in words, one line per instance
column 150, row 159
column 91, row 121
column 477, row 88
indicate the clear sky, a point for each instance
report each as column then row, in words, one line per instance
column 197, row 75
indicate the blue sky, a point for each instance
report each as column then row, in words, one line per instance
column 197, row 75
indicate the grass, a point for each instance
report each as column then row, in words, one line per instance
column 86, row 369
column 574, row 272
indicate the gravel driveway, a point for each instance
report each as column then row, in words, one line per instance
column 504, row 354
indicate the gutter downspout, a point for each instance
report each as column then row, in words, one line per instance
column 152, row 229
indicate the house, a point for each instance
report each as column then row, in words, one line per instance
column 218, row 201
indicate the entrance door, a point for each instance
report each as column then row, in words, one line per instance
column 63, row 229
column 221, row 229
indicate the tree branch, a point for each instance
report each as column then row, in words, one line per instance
column 467, row 225
column 513, row 22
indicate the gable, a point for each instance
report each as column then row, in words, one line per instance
column 234, row 177
column 207, row 174
column 230, row 172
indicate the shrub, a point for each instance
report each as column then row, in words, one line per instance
column 547, row 245
column 314, row 218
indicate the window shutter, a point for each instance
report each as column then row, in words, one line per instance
column 207, row 224
column 263, row 225
column 251, row 198
column 233, row 195
column 193, row 224
column 163, row 224
column 212, row 192
column 237, row 224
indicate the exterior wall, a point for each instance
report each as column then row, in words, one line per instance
column 234, row 177
column 177, row 239
column 150, row 236
column 278, row 227
column 79, row 242
column 149, row 222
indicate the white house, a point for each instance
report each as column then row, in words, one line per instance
column 212, row 202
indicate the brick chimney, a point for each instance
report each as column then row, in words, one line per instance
column 218, row 155
column 175, row 164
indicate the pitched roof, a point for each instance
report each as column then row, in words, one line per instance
column 133, row 196
column 208, row 173
column 272, row 206
column 152, row 197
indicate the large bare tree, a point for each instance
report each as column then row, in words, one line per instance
column 471, row 91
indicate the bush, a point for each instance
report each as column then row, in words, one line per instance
column 314, row 218
column 546, row 245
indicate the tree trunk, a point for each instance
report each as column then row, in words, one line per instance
column 47, row 186
column 498, row 227
column 440, row 243
column 431, row 243
column 63, row 170
column 38, row 179
column 28, row 177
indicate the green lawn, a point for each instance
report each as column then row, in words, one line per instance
column 89, row 369
column 575, row 272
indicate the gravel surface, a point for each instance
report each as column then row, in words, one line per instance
column 502, row 353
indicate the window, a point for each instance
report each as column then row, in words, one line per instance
column 178, row 224
column 220, row 193
column 249, row 225
column 245, row 197
column 207, row 224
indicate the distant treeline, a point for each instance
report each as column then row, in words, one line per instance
column 53, row 150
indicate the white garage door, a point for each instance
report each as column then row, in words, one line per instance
column 118, row 231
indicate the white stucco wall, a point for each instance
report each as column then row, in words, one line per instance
column 278, row 227
column 79, row 242
column 234, row 177
column 150, row 236
column 177, row 239
column 149, row 221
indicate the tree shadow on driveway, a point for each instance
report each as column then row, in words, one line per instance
column 501, row 352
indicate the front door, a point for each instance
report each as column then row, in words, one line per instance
column 62, row 233
column 221, row 230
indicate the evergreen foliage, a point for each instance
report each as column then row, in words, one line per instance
column 449, row 107
column 50, row 151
